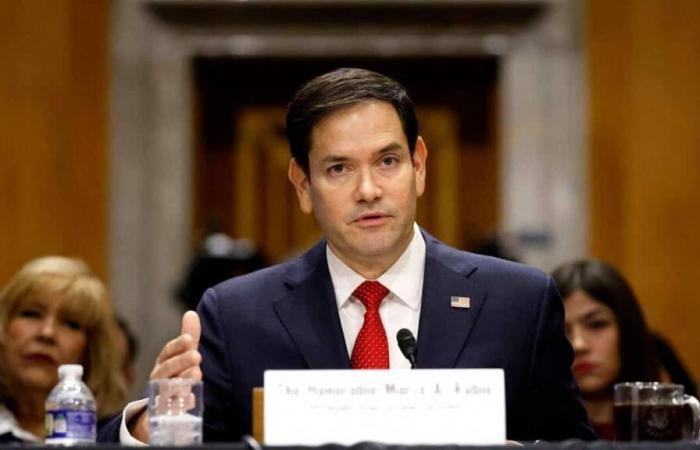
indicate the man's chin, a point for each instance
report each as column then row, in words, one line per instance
column 377, row 244
column 377, row 248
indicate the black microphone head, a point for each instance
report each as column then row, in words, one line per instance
column 405, row 335
column 407, row 343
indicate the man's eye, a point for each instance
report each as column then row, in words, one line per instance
column 336, row 169
column 389, row 160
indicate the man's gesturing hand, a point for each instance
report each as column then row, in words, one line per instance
column 179, row 357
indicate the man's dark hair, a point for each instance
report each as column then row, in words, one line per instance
column 638, row 360
column 340, row 89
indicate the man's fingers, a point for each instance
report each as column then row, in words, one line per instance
column 188, row 339
column 179, row 357
column 178, row 365
column 174, row 347
column 191, row 325
column 193, row 372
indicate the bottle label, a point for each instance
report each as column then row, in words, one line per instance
column 65, row 423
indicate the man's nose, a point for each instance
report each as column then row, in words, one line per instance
column 367, row 190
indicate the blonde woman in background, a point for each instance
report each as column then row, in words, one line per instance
column 54, row 311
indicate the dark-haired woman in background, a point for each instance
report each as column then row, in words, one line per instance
column 607, row 330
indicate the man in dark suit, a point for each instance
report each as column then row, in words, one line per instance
column 358, row 164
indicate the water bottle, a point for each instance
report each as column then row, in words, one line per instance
column 70, row 409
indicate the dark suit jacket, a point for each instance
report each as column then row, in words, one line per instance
column 285, row 317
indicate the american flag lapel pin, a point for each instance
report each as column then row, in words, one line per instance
column 459, row 302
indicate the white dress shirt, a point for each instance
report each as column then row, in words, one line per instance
column 130, row 410
column 400, row 309
column 9, row 424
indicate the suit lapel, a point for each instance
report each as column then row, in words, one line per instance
column 443, row 330
column 310, row 314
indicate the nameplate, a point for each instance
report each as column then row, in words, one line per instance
column 411, row 407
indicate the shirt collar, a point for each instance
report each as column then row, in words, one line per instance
column 8, row 424
column 403, row 278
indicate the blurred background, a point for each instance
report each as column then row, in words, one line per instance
column 146, row 137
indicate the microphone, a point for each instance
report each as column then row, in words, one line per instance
column 407, row 344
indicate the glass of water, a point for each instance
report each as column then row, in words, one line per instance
column 175, row 407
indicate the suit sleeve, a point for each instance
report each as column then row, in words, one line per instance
column 108, row 430
column 559, row 413
column 219, row 421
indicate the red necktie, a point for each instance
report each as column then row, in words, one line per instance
column 371, row 349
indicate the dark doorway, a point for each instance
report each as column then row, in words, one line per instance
column 241, row 154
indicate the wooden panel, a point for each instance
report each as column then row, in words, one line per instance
column 259, row 414
column 644, row 61
column 265, row 205
column 461, row 201
column 53, row 123
column 608, row 43
column 440, row 130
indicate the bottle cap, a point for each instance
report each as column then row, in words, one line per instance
column 70, row 369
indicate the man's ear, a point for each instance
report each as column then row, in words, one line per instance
column 300, row 181
column 420, row 154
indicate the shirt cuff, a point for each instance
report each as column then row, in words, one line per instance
column 130, row 410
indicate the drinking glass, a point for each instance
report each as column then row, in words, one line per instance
column 651, row 411
column 175, row 407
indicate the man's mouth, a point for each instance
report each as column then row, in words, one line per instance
column 371, row 219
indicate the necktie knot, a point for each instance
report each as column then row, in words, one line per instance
column 371, row 294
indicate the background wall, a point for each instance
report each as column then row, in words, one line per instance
column 644, row 119
column 53, row 131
